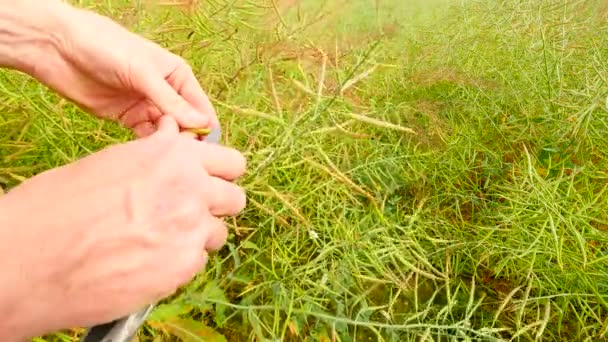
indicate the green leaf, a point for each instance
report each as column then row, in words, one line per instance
column 210, row 298
column 214, row 292
column 163, row 312
column 249, row 245
column 189, row 330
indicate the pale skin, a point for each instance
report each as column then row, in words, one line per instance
column 124, row 227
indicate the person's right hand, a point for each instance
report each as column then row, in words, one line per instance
column 102, row 237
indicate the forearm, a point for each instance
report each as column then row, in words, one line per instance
column 29, row 29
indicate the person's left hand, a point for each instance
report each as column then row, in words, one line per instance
column 116, row 74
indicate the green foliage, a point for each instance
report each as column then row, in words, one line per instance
column 441, row 175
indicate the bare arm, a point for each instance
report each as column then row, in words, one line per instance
column 29, row 30
column 64, row 249
column 101, row 66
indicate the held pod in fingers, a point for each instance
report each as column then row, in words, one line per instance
column 210, row 135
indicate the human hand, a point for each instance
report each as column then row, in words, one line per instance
column 87, row 243
column 116, row 74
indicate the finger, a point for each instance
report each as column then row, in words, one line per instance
column 144, row 129
column 194, row 94
column 217, row 233
column 189, row 135
column 168, row 101
column 186, row 84
column 220, row 161
column 167, row 125
column 143, row 111
column 224, row 198
column 164, row 125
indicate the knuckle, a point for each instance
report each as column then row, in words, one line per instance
column 192, row 185
column 188, row 214
column 182, row 64
column 171, row 155
column 157, row 149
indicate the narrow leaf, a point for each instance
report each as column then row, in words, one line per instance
column 189, row 330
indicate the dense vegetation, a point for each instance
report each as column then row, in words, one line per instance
column 418, row 170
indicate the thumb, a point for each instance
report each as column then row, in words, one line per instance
column 168, row 101
column 166, row 126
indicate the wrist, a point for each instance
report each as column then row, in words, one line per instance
column 31, row 29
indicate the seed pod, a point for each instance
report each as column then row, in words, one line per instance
column 199, row 131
